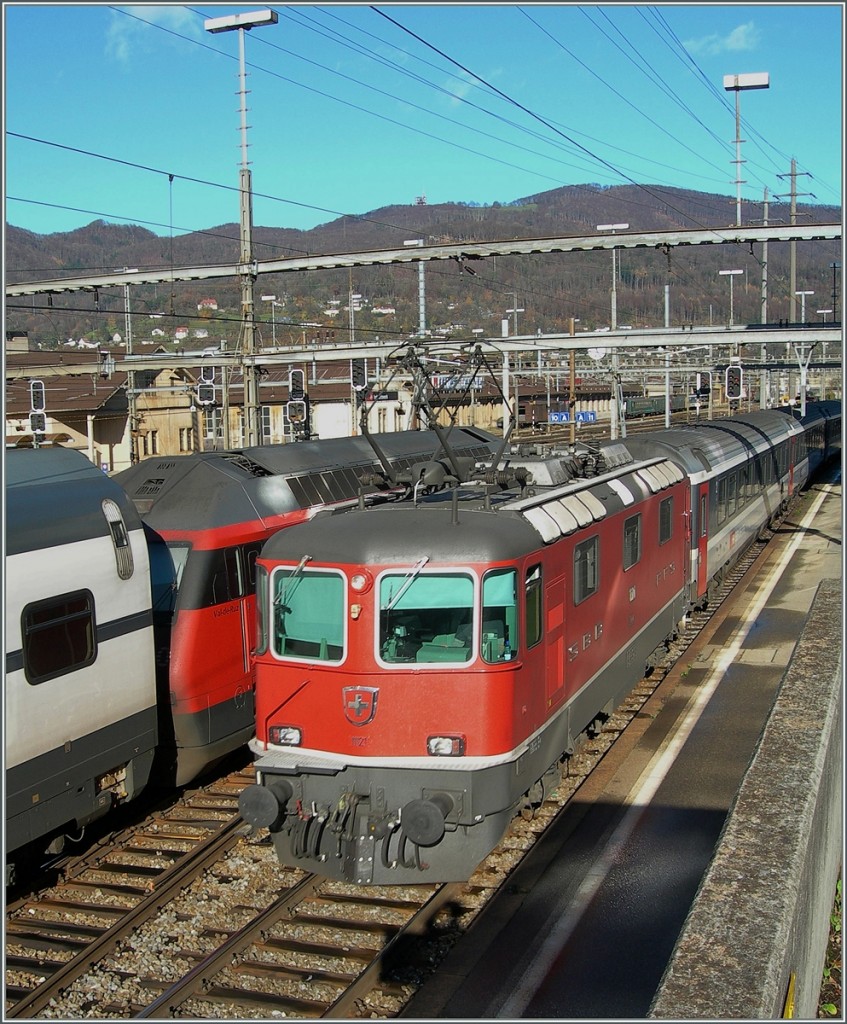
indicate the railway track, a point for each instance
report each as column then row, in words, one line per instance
column 190, row 915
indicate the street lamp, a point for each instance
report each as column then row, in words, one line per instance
column 735, row 83
column 273, row 301
column 242, row 23
column 803, row 305
column 730, row 274
column 823, row 313
column 421, row 291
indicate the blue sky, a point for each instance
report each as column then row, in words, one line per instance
column 352, row 108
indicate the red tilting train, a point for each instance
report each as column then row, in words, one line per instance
column 425, row 666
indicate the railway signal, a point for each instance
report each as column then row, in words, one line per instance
column 358, row 375
column 206, row 386
column 37, row 413
column 734, row 383
column 296, row 385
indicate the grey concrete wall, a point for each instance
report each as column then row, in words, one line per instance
column 761, row 915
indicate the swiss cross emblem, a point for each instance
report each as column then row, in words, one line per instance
column 360, row 703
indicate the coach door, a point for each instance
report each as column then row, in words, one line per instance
column 792, row 456
column 554, row 610
column 703, row 539
column 249, row 553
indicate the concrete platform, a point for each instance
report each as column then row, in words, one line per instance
column 754, row 942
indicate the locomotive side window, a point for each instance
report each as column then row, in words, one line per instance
column 249, row 554
column 632, row 541
column 665, row 520
column 533, row 609
column 59, row 636
column 586, row 569
column 425, row 617
column 233, row 573
column 308, row 614
column 500, row 615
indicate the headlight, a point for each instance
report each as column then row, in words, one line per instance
column 445, row 746
column 285, row 735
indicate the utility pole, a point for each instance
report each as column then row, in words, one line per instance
column 132, row 397
column 737, row 83
column 763, row 374
column 792, row 284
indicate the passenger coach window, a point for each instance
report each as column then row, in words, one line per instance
column 533, row 606
column 59, row 636
column 586, row 569
column 665, row 520
column 308, row 614
column 632, row 541
column 499, row 615
column 731, row 481
column 425, row 617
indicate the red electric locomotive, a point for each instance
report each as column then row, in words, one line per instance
column 206, row 517
column 424, row 667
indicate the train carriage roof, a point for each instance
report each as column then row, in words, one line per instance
column 54, row 496
column 711, row 445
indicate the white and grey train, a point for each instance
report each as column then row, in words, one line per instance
column 80, row 691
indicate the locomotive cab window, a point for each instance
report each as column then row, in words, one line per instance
column 59, row 636
column 307, row 614
column 499, row 637
column 425, row 617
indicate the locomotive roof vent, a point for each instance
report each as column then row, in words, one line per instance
column 616, row 455
column 244, row 462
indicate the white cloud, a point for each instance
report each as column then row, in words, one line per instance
column 132, row 28
column 744, row 37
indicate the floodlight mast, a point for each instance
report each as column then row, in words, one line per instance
column 244, row 22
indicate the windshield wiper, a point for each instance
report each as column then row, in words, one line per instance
column 294, row 577
column 407, row 582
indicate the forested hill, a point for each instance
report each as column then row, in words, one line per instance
column 548, row 289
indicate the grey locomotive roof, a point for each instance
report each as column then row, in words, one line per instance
column 214, row 489
column 382, row 535
column 517, row 521
column 54, row 496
